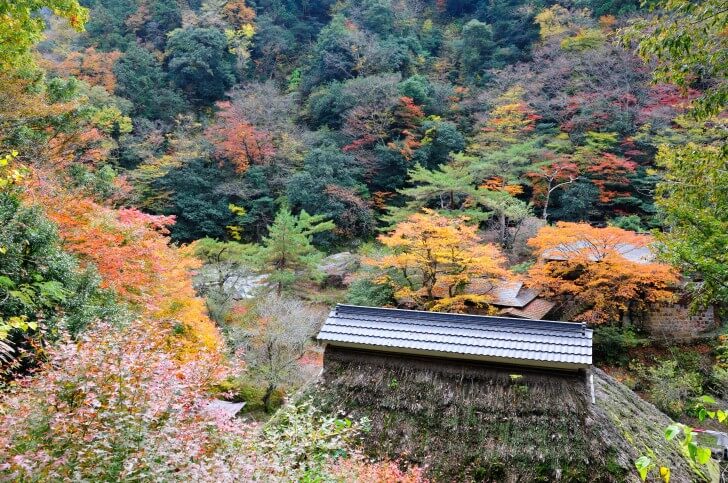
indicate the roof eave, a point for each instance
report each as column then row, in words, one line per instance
column 458, row 356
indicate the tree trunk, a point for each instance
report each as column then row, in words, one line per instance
column 266, row 397
column 503, row 229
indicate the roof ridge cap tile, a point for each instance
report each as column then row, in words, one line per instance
column 345, row 308
column 492, row 326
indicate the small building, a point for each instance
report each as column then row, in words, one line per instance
column 496, row 342
column 511, row 298
column 508, row 298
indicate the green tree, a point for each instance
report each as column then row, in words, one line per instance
column 440, row 139
column 200, row 210
column 107, row 28
column 687, row 40
column 328, row 186
column 22, row 25
column 418, row 88
column 43, row 290
column 445, row 189
column 287, row 253
column 475, row 49
column 200, row 63
column 141, row 79
column 167, row 14
column 334, row 57
column 694, row 199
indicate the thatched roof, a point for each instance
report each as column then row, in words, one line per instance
column 473, row 423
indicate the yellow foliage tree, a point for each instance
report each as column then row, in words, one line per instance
column 433, row 259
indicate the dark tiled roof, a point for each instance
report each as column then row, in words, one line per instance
column 497, row 339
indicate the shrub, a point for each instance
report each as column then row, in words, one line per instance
column 365, row 292
column 243, row 389
column 303, row 437
column 671, row 388
column 612, row 344
column 720, row 381
column 117, row 407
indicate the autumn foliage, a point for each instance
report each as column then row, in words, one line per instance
column 605, row 272
column 609, row 174
column 131, row 251
column 91, row 66
column 434, row 258
column 93, row 394
column 239, row 141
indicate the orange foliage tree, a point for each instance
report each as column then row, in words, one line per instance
column 237, row 13
column 607, row 272
column 506, row 123
column 132, row 254
column 91, row 66
column 434, row 258
column 238, row 140
column 609, row 173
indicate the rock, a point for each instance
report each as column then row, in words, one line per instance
column 244, row 287
column 239, row 284
column 224, row 408
column 338, row 267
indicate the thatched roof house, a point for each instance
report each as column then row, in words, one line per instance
column 487, row 399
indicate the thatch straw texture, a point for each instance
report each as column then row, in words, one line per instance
column 475, row 423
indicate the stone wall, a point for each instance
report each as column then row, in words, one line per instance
column 674, row 322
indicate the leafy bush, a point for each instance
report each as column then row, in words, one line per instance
column 117, row 407
column 671, row 388
column 720, row 381
column 303, row 437
column 252, row 393
column 631, row 222
column 301, row 443
column 365, row 292
column 612, row 344
column 687, row 359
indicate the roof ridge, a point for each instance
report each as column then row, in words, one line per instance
column 346, row 308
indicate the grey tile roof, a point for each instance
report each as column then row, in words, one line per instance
column 497, row 339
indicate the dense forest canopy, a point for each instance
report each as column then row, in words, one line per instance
column 177, row 177
column 335, row 104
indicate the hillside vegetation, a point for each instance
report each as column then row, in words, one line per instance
column 187, row 185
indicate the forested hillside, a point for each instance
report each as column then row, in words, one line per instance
column 187, row 185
